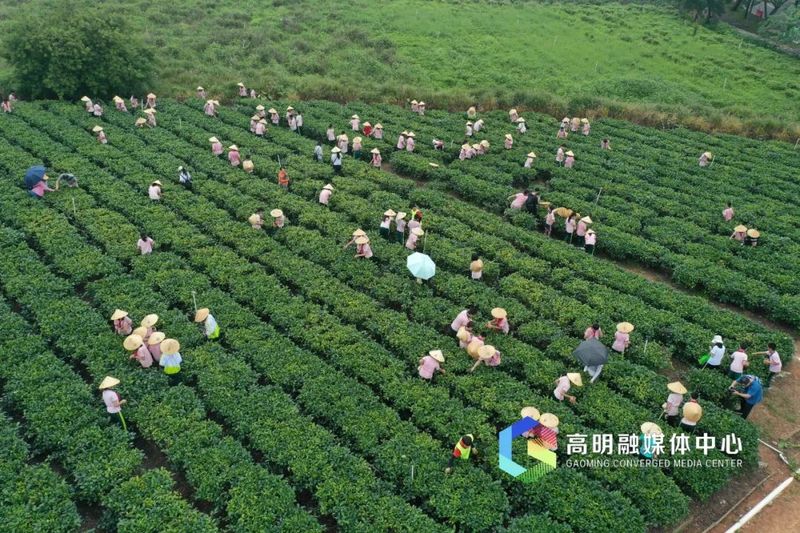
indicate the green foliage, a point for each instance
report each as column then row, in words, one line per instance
column 69, row 49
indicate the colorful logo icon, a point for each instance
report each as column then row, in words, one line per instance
column 539, row 447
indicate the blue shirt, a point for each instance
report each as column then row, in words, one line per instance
column 754, row 390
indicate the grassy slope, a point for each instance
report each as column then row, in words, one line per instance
column 551, row 57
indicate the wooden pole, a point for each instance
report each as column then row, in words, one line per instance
column 74, row 209
column 194, row 300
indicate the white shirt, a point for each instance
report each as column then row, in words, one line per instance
column 717, row 353
column 674, row 401
column 173, row 359
column 775, row 364
column 211, row 325
column 155, row 192
column 737, row 365
column 386, row 223
column 562, row 388
column 109, row 397
column 299, row 120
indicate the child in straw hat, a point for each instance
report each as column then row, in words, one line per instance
column 564, row 383
column 476, row 267
column 171, row 360
column 210, row 327
column 692, row 413
column 651, row 439
column 499, row 321
column 430, row 364
column 122, row 323
column 622, row 337
column 674, row 401
column 325, row 194
column 112, row 400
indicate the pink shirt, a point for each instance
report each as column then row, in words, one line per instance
column 461, row 320
column 121, row 106
column 376, row 160
column 101, row 137
column 260, row 129
column 569, row 161
column 586, row 129
column 727, row 214
column 775, row 364
column 559, row 155
column 111, row 398
column 151, row 119
column 528, row 162
column 356, row 146
column 581, row 229
column 562, row 387
column 378, row 134
column 401, row 143
column 275, row 118
column 550, row 219
column 508, row 144
column 592, row 333
column 209, row 109
column 233, row 157
column 400, row 224
column 365, row 250
column 145, row 246
column 242, row 91
column 462, row 155
column 569, row 225
column 216, row 148
column 97, row 110
column 40, row 188
column 519, row 200
column 123, row 326
column 324, row 196
column 737, row 365
column 411, row 242
column 154, row 191
column 410, row 145
column 143, row 356
column 591, row 239
column 355, row 124
column 493, row 360
column 674, row 401
column 428, row 367
column 155, row 351
column 703, row 160
column 502, row 323
column 621, row 341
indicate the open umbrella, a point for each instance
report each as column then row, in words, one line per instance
column 421, row 266
column 591, row 353
column 34, row 175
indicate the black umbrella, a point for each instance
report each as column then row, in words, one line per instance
column 591, row 353
column 34, row 175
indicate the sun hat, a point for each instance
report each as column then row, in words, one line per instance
column 499, row 312
column 210, row 102
column 740, row 228
column 717, row 339
column 421, row 102
column 401, row 215
column 262, row 121
column 590, row 231
column 437, row 354
column 213, row 140
column 677, row 387
column 272, row 110
column 170, row 346
column 259, row 107
column 486, row 351
column 328, row 186
column 355, row 116
column 708, row 154
column 753, row 233
column 132, row 342
column 625, row 327
column 434, row 165
column 140, row 121
column 575, row 378
column 201, row 314
column 362, row 239
column 200, row 88
column 585, row 120
column 359, row 233
column 389, row 213
column 465, row 146
column 150, row 320
column 570, row 154
column 565, row 119
column 141, row 331
column 367, row 124
column 254, row 219
column 151, row 95
column 413, row 101
column 530, row 412
column 476, row 146
column 520, row 119
column 290, row 108
column 375, row 151
column 156, row 338
column 335, row 150
column 692, row 411
column 469, row 123
column 485, row 143
column 108, row 382
column 97, row 129
column 587, row 219
column 410, row 134
column 156, row 183
column 275, row 213
column 378, row 126
column 462, row 334
column 508, row 136
column 650, row 428
column 531, row 154
column 149, row 111
column 549, row 420
column 85, row 98
column 255, row 117
column 118, row 313
column 233, row 147
column 512, row 111
column 418, row 232
column 117, row 99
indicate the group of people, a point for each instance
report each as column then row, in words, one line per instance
column 256, row 220
column 573, row 126
column 149, row 110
